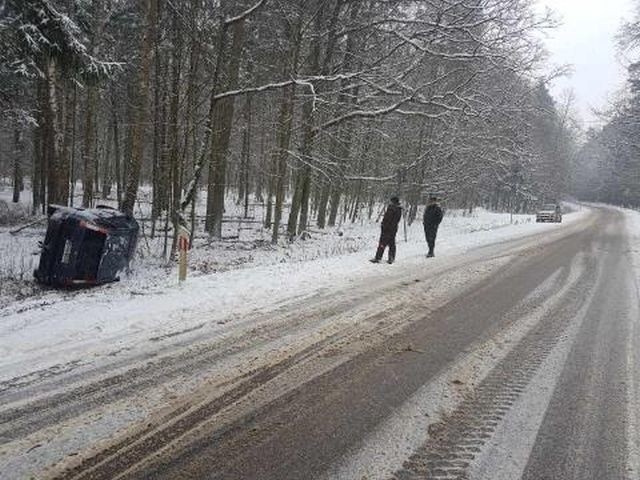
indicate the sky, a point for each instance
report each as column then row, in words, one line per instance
column 586, row 40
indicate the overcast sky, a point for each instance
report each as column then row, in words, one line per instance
column 586, row 39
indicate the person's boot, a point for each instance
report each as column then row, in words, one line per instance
column 391, row 260
column 379, row 254
column 430, row 254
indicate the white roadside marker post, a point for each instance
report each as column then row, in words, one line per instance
column 183, row 249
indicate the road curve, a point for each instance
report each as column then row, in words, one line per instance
column 516, row 361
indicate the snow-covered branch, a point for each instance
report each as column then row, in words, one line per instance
column 247, row 13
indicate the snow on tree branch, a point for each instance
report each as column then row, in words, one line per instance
column 248, row 12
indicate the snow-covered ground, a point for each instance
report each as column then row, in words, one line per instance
column 63, row 340
column 633, row 230
column 245, row 244
column 54, row 329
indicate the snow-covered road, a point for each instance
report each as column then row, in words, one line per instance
column 80, row 370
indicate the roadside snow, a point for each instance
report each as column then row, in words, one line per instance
column 632, row 218
column 632, row 348
column 55, row 329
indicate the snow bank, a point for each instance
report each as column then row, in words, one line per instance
column 632, row 219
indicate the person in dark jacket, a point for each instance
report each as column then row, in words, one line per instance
column 390, row 222
column 432, row 217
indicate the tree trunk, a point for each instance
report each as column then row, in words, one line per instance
column 202, row 157
column 88, row 155
column 336, row 197
column 300, row 202
column 56, row 193
column 342, row 149
column 304, row 202
column 191, row 120
column 161, row 170
column 284, row 126
column 268, row 221
column 141, row 108
column 259, row 184
column 322, row 205
column 66, row 123
column 221, row 137
column 107, row 167
column 299, row 215
column 174, row 141
column 294, row 211
column 246, row 155
column 156, row 194
column 38, row 151
column 191, row 190
column 356, row 202
column 18, row 150
column 116, row 154
column 72, row 166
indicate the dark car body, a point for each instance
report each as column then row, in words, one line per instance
column 86, row 247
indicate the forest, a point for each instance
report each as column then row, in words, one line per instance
column 315, row 109
column 608, row 159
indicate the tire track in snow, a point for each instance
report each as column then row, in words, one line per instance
column 356, row 331
column 505, row 455
column 460, row 439
column 385, row 451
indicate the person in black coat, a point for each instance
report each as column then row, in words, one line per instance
column 432, row 217
column 390, row 222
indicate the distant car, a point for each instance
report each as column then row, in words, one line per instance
column 549, row 213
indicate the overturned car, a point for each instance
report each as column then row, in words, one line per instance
column 85, row 247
